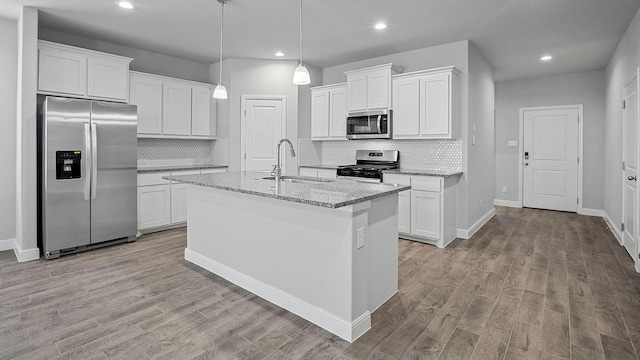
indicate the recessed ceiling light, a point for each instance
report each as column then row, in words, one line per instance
column 126, row 5
column 380, row 26
column 546, row 58
column 279, row 54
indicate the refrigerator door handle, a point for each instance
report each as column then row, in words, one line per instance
column 94, row 161
column 87, row 162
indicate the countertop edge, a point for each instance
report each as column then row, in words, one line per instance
column 396, row 189
column 320, row 166
column 418, row 172
column 180, row 168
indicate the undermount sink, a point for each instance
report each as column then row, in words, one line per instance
column 295, row 179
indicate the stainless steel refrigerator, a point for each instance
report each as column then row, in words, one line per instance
column 87, row 174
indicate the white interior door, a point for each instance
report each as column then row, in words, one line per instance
column 264, row 125
column 550, row 159
column 630, row 171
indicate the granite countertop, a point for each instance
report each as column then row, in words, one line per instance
column 320, row 166
column 157, row 168
column 426, row 172
column 323, row 192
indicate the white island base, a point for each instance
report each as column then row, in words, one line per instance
column 330, row 266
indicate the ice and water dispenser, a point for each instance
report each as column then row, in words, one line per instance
column 68, row 165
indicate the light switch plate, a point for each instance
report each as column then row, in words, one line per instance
column 360, row 238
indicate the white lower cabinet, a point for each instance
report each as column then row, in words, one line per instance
column 318, row 172
column 426, row 213
column 154, row 203
column 162, row 204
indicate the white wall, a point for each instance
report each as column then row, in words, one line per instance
column 620, row 69
column 144, row 61
column 254, row 77
column 481, row 155
column 586, row 88
column 9, row 76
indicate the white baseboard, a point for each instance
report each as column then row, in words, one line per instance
column 6, row 244
column 349, row 331
column 591, row 212
column 612, row 226
column 508, row 203
column 25, row 254
column 468, row 233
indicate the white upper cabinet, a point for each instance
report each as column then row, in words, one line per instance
column 328, row 112
column 202, row 109
column 369, row 88
column 173, row 108
column 68, row 70
column 176, row 107
column 425, row 104
column 146, row 93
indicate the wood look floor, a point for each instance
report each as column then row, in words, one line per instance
column 531, row 284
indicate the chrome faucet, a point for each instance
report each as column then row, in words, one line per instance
column 277, row 171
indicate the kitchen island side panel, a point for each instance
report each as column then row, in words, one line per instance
column 303, row 258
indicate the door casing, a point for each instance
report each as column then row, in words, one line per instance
column 581, row 210
column 243, row 124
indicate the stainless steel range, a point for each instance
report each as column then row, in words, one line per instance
column 369, row 165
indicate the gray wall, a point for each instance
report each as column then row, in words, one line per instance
column 586, row 88
column 9, row 76
column 481, row 125
column 621, row 68
column 144, row 61
column 254, row 77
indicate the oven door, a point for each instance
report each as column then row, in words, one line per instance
column 360, row 179
column 369, row 125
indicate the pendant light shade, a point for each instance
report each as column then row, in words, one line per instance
column 301, row 74
column 220, row 92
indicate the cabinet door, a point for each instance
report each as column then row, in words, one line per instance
column 357, row 92
column 154, row 206
column 146, row 93
column 176, row 109
column 179, row 197
column 62, row 72
column 201, row 115
column 378, row 88
column 404, row 212
column 425, row 214
column 107, row 78
column 338, row 113
column 320, row 114
column 327, row 173
column 308, row 172
column 406, row 108
column 435, row 117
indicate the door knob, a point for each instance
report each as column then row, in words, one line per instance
column 526, row 164
column 632, row 178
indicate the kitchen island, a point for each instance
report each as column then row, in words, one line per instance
column 325, row 250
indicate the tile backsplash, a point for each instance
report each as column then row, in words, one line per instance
column 180, row 152
column 414, row 154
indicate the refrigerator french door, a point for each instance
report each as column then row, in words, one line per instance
column 88, row 174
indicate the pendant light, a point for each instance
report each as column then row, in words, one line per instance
column 301, row 75
column 220, row 92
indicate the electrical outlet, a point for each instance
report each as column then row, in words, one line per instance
column 360, row 238
column 504, row 189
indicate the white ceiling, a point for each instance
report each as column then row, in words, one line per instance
column 512, row 34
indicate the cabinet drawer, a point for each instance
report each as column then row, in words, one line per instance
column 427, row 183
column 396, row 179
column 213, row 171
column 327, row 173
column 154, row 178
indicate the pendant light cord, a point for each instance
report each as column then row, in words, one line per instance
column 221, row 38
column 300, row 32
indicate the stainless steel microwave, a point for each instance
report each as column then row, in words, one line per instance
column 369, row 125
